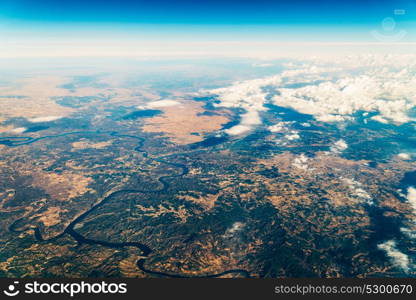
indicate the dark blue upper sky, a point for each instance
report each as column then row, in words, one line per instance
column 53, row 27
column 205, row 12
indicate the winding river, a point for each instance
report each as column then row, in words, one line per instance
column 146, row 250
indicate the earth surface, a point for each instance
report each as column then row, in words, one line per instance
column 209, row 168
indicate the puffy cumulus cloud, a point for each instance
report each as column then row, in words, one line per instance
column 286, row 134
column 339, row 146
column 292, row 135
column 398, row 258
column 282, row 126
column 251, row 118
column 233, row 230
column 369, row 61
column 411, row 197
column 278, row 127
column 404, row 156
column 238, row 129
column 248, row 121
column 329, row 118
column 333, row 89
column 389, row 95
column 250, row 95
column 309, row 73
column 380, row 119
column 300, row 162
column 162, row 103
column 44, row 119
column 18, row 130
column 410, row 233
column 357, row 190
column 288, row 137
column 247, row 95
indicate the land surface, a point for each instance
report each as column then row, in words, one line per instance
column 95, row 181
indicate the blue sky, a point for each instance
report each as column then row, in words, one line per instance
column 291, row 12
column 60, row 21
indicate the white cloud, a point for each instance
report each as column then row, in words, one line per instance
column 292, row 135
column 280, row 126
column 248, row 121
column 357, row 190
column 410, row 233
column 44, row 119
column 251, row 118
column 411, row 197
column 330, row 101
column 339, row 146
column 380, row 119
column 276, row 127
column 162, row 103
column 300, row 162
column 247, row 95
column 235, row 228
column 329, row 118
column 380, row 84
column 404, row 156
column 398, row 258
column 283, row 127
column 18, row 130
column 238, row 129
